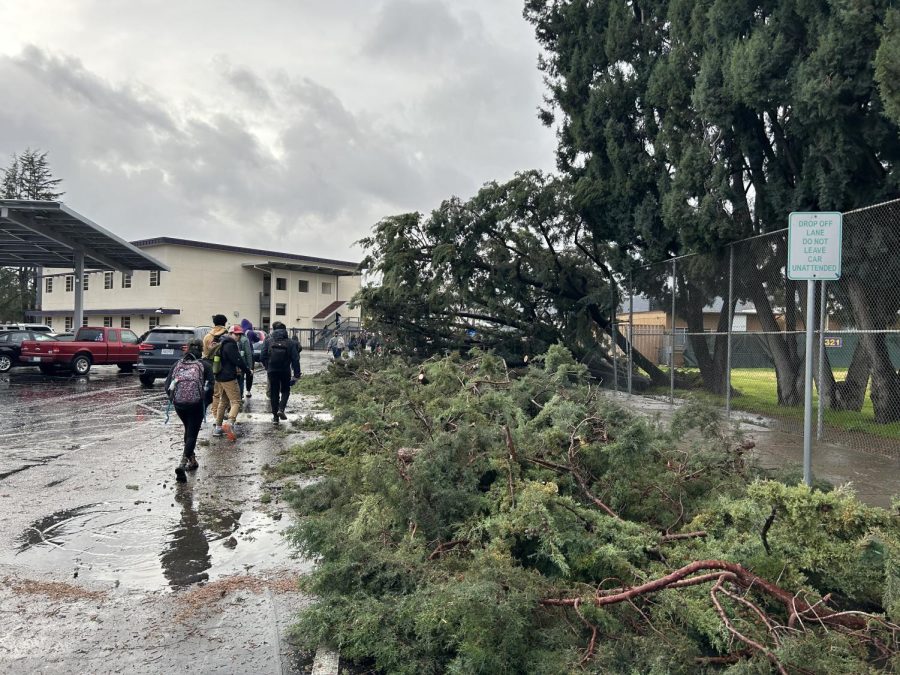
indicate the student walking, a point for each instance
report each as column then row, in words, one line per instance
column 245, row 378
column 211, row 354
column 336, row 346
column 280, row 355
column 189, row 387
column 227, row 363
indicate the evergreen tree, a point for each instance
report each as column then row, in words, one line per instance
column 28, row 176
column 688, row 124
column 515, row 263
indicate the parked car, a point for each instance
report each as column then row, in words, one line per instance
column 11, row 347
column 91, row 346
column 162, row 347
column 33, row 327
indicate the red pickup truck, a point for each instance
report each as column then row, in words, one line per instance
column 91, row 346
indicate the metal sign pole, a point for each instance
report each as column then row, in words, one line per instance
column 814, row 254
column 807, row 381
column 820, row 427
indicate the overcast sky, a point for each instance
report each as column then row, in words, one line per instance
column 286, row 124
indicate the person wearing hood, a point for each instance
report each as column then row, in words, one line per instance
column 210, row 341
column 279, row 356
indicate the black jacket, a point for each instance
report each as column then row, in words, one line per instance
column 231, row 360
column 294, row 353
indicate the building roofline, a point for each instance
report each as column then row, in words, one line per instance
column 159, row 241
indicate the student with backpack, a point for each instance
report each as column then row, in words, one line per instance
column 189, row 387
column 245, row 377
column 211, row 346
column 279, row 356
column 226, row 365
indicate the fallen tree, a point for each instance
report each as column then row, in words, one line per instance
column 473, row 518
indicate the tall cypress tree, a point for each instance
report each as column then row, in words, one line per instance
column 690, row 124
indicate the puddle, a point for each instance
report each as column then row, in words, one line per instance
column 29, row 463
column 142, row 545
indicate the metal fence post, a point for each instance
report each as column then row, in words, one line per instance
column 630, row 328
column 728, row 336
column 615, row 335
column 672, row 343
column 820, row 427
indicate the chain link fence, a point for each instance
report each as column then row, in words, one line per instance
column 730, row 326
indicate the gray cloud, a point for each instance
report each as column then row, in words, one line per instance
column 245, row 82
column 303, row 155
column 413, row 31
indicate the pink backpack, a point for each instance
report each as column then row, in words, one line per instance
column 186, row 387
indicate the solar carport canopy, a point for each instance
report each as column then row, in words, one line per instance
column 50, row 234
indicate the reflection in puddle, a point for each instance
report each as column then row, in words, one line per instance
column 140, row 546
column 186, row 557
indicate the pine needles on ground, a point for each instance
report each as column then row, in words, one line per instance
column 474, row 519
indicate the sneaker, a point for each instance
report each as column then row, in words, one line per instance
column 192, row 464
column 217, row 430
column 282, row 415
column 249, row 395
column 275, row 419
column 228, row 430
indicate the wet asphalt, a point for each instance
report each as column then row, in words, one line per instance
column 108, row 565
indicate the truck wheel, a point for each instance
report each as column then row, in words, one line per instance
column 146, row 380
column 5, row 363
column 126, row 367
column 81, row 364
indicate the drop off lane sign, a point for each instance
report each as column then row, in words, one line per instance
column 814, row 246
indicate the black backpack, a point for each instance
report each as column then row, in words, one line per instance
column 280, row 354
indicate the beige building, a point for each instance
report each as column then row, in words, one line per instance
column 206, row 279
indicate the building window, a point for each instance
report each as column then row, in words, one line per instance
column 107, row 322
column 280, row 309
column 107, row 280
column 126, row 280
column 154, row 277
column 48, row 285
column 70, row 283
column 280, row 284
column 84, row 283
column 84, row 321
column 154, row 321
column 48, row 321
column 68, row 323
column 303, row 286
column 326, row 288
column 125, row 322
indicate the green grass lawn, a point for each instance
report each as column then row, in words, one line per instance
column 758, row 393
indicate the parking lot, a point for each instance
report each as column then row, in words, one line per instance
column 95, row 534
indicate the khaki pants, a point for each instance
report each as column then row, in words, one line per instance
column 217, row 394
column 229, row 401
